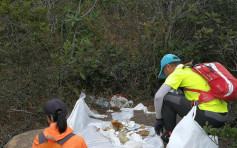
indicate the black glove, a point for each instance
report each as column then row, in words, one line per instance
column 166, row 136
column 159, row 126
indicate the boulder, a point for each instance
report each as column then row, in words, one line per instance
column 24, row 140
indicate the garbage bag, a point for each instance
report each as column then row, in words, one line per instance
column 80, row 115
column 189, row 134
column 91, row 129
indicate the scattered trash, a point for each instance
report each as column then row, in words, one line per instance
column 90, row 100
column 102, row 102
column 125, row 131
column 120, row 101
column 131, row 124
column 107, row 128
column 114, row 133
column 110, row 111
column 142, row 126
column 128, row 123
column 122, row 137
column 136, row 126
column 140, row 106
column 116, row 125
column 127, row 113
column 143, row 133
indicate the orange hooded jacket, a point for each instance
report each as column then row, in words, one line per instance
column 75, row 141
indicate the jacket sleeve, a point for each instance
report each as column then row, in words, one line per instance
column 84, row 144
column 36, row 142
column 159, row 97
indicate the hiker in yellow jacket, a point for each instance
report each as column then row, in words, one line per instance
column 170, row 100
column 58, row 131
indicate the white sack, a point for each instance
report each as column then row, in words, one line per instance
column 189, row 134
column 80, row 121
column 80, row 115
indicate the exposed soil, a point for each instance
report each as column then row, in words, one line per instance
column 145, row 119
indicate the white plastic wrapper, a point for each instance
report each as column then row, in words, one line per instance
column 123, row 115
column 120, row 102
column 81, row 122
column 127, row 113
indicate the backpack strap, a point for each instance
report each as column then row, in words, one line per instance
column 204, row 96
column 62, row 141
column 43, row 139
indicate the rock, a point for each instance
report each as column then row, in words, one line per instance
column 24, row 140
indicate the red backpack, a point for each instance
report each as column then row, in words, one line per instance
column 223, row 85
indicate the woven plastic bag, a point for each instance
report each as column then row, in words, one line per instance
column 189, row 134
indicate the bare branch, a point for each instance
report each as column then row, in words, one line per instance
column 61, row 34
column 17, row 25
column 90, row 9
column 74, row 38
column 15, row 110
column 79, row 7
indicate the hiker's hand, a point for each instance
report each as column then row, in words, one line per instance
column 159, row 126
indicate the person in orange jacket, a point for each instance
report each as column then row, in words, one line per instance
column 58, row 131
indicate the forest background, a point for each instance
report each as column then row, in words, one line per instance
column 59, row 48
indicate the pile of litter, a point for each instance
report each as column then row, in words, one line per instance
column 120, row 132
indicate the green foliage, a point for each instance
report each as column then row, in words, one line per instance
column 226, row 134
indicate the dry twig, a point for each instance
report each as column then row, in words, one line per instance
column 16, row 110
